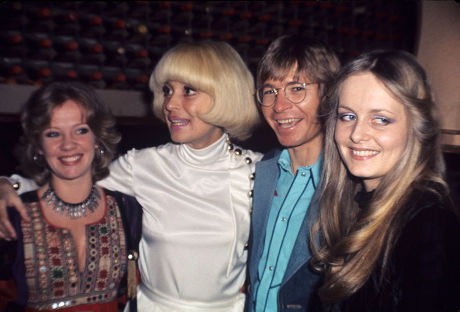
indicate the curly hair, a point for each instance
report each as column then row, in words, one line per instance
column 36, row 116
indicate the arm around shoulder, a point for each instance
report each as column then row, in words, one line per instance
column 121, row 172
column 9, row 198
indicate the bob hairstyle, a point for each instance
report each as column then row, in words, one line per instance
column 36, row 116
column 310, row 58
column 350, row 244
column 216, row 68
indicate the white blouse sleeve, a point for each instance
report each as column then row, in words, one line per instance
column 119, row 179
column 121, row 174
column 25, row 185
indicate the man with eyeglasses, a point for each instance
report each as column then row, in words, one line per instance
column 291, row 80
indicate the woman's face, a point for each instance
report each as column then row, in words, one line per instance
column 183, row 104
column 372, row 128
column 68, row 143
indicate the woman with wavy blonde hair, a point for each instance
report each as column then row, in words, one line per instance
column 387, row 232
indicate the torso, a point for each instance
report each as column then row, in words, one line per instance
column 77, row 227
column 195, row 223
column 423, row 269
column 56, row 270
column 298, row 280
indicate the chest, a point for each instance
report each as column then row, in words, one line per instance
column 51, row 260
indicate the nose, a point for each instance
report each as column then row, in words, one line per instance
column 67, row 143
column 359, row 132
column 281, row 102
column 171, row 102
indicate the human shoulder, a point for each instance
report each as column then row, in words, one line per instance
column 136, row 156
column 269, row 161
column 131, row 212
column 431, row 219
column 29, row 197
column 431, row 202
column 119, row 196
column 272, row 155
column 148, row 150
column 426, row 255
column 115, row 194
column 254, row 155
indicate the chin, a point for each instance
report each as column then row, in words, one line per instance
column 363, row 175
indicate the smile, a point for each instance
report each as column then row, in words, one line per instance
column 364, row 153
column 179, row 122
column 286, row 123
column 69, row 159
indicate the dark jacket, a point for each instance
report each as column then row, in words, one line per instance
column 423, row 272
column 299, row 279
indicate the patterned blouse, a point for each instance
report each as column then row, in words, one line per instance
column 51, row 266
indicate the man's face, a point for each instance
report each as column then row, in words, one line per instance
column 294, row 124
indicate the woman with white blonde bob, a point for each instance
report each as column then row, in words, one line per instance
column 195, row 191
column 217, row 69
column 388, row 233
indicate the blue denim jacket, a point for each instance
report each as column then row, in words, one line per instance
column 299, row 279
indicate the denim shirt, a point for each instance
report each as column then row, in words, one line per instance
column 290, row 202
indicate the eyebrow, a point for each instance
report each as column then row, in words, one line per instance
column 374, row 111
column 290, row 81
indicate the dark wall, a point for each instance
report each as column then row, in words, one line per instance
column 10, row 132
column 115, row 44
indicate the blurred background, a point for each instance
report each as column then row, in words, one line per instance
column 113, row 47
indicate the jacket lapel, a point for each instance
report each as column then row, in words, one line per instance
column 267, row 173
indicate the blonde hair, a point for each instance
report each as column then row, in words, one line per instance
column 217, row 69
column 353, row 242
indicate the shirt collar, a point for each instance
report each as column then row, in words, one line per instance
column 213, row 153
column 284, row 162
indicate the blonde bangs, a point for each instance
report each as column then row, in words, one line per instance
column 183, row 65
column 218, row 70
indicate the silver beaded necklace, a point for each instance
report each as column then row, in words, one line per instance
column 74, row 211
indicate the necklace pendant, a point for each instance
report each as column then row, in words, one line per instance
column 74, row 211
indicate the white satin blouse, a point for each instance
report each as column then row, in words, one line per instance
column 196, row 219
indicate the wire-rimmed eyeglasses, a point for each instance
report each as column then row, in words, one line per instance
column 294, row 91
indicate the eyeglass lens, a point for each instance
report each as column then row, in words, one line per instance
column 294, row 92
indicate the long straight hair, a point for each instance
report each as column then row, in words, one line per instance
column 351, row 243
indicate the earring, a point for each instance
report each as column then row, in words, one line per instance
column 99, row 151
column 38, row 159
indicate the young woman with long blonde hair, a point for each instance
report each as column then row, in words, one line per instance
column 387, row 233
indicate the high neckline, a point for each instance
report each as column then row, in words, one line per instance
column 210, row 154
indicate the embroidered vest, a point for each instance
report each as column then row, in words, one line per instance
column 51, row 264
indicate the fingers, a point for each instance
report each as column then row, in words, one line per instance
column 21, row 208
column 9, row 198
column 7, row 231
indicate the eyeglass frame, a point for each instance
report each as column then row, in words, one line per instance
column 276, row 90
